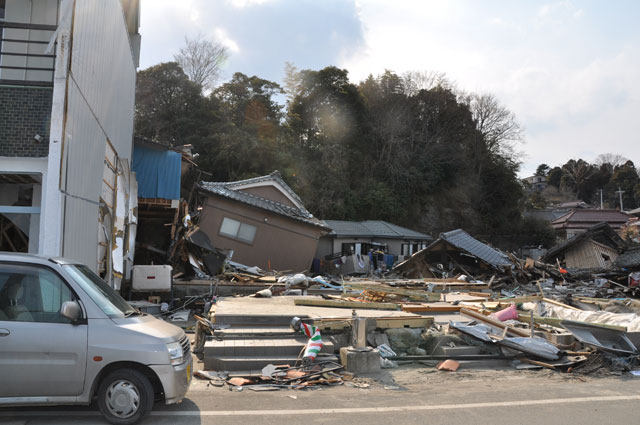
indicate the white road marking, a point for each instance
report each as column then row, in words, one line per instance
column 346, row 410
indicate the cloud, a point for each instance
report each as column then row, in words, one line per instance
column 222, row 37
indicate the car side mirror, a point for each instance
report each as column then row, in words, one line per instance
column 71, row 310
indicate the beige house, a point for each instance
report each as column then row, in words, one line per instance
column 597, row 247
column 263, row 221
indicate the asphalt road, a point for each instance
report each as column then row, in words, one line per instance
column 405, row 396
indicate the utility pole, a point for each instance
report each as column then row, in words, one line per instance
column 601, row 199
column 620, row 192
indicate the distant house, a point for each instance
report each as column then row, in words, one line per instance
column 580, row 220
column 597, row 247
column 358, row 237
column 537, row 183
column 262, row 220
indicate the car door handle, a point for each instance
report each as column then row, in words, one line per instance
column 4, row 332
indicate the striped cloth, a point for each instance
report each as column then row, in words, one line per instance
column 315, row 341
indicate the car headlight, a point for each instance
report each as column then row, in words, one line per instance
column 175, row 353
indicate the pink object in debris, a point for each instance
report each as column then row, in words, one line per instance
column 448, row 365
column 507, row 314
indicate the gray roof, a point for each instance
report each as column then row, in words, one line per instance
column 274, row 177
column 225, row 189
column 374, row 229
column 629, row 259
column 465, row 242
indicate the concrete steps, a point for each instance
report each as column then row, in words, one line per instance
column 255, row 340
column 249, row 363
column 260, row 346
column 255, row 320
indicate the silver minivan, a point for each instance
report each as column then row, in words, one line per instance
column 67, row 338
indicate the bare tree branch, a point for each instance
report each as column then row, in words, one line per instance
column 202, row 60
column 614, row 159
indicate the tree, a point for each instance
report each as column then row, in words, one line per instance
column 542, row 170
column 169, row 107
column 251, row 141
column 625, row 178
column 578, row 177
column 612, row 159
column 554, row 177
column 499, row 126
column 202, row 60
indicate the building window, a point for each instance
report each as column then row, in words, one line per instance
column 20, row 212
column 236, row 230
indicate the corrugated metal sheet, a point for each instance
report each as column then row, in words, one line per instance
column 465, row 242
column 100, row 110
column 103, row 67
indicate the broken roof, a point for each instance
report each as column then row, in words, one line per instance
column 601, row 232
column 467, row 243
column 629, row 259
column 374, row 229
column 232, row 190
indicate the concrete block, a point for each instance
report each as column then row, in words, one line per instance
column 564, row 338
column 360, row 361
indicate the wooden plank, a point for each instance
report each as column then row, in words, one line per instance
column 493, row 322
column 550, row 301
column 479, row 294
column 403, row 322
column 347, row 304
column 518, row 300
column 420, row 295
column 430, row 308
column 555, row 321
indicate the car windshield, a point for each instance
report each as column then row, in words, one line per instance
column 111, row 303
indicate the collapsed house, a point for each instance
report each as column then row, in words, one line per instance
column 159, row 169
column 455, row 250
column 260, row 222
column 596, row 248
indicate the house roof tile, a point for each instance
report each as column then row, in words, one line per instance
column 226, row 190
column 374, row 228
column 592, row 216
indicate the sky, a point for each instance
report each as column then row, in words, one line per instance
column 569, row 70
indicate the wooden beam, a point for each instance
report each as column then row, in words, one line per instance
column 555, row 321
column 430, row 308
column 403, row 322
column 493, row 322
column 421, row 295
column 347, row 304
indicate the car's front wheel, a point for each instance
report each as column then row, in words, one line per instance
column 125, row 396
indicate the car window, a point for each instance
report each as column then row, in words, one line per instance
column 32, row 294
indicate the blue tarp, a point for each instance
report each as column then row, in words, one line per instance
column 157, row 171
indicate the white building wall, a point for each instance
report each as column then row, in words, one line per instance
column 103, row 69
column 101, row 94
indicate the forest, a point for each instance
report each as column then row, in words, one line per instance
column 411, row 149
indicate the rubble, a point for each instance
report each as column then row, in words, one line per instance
column 456, row 302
